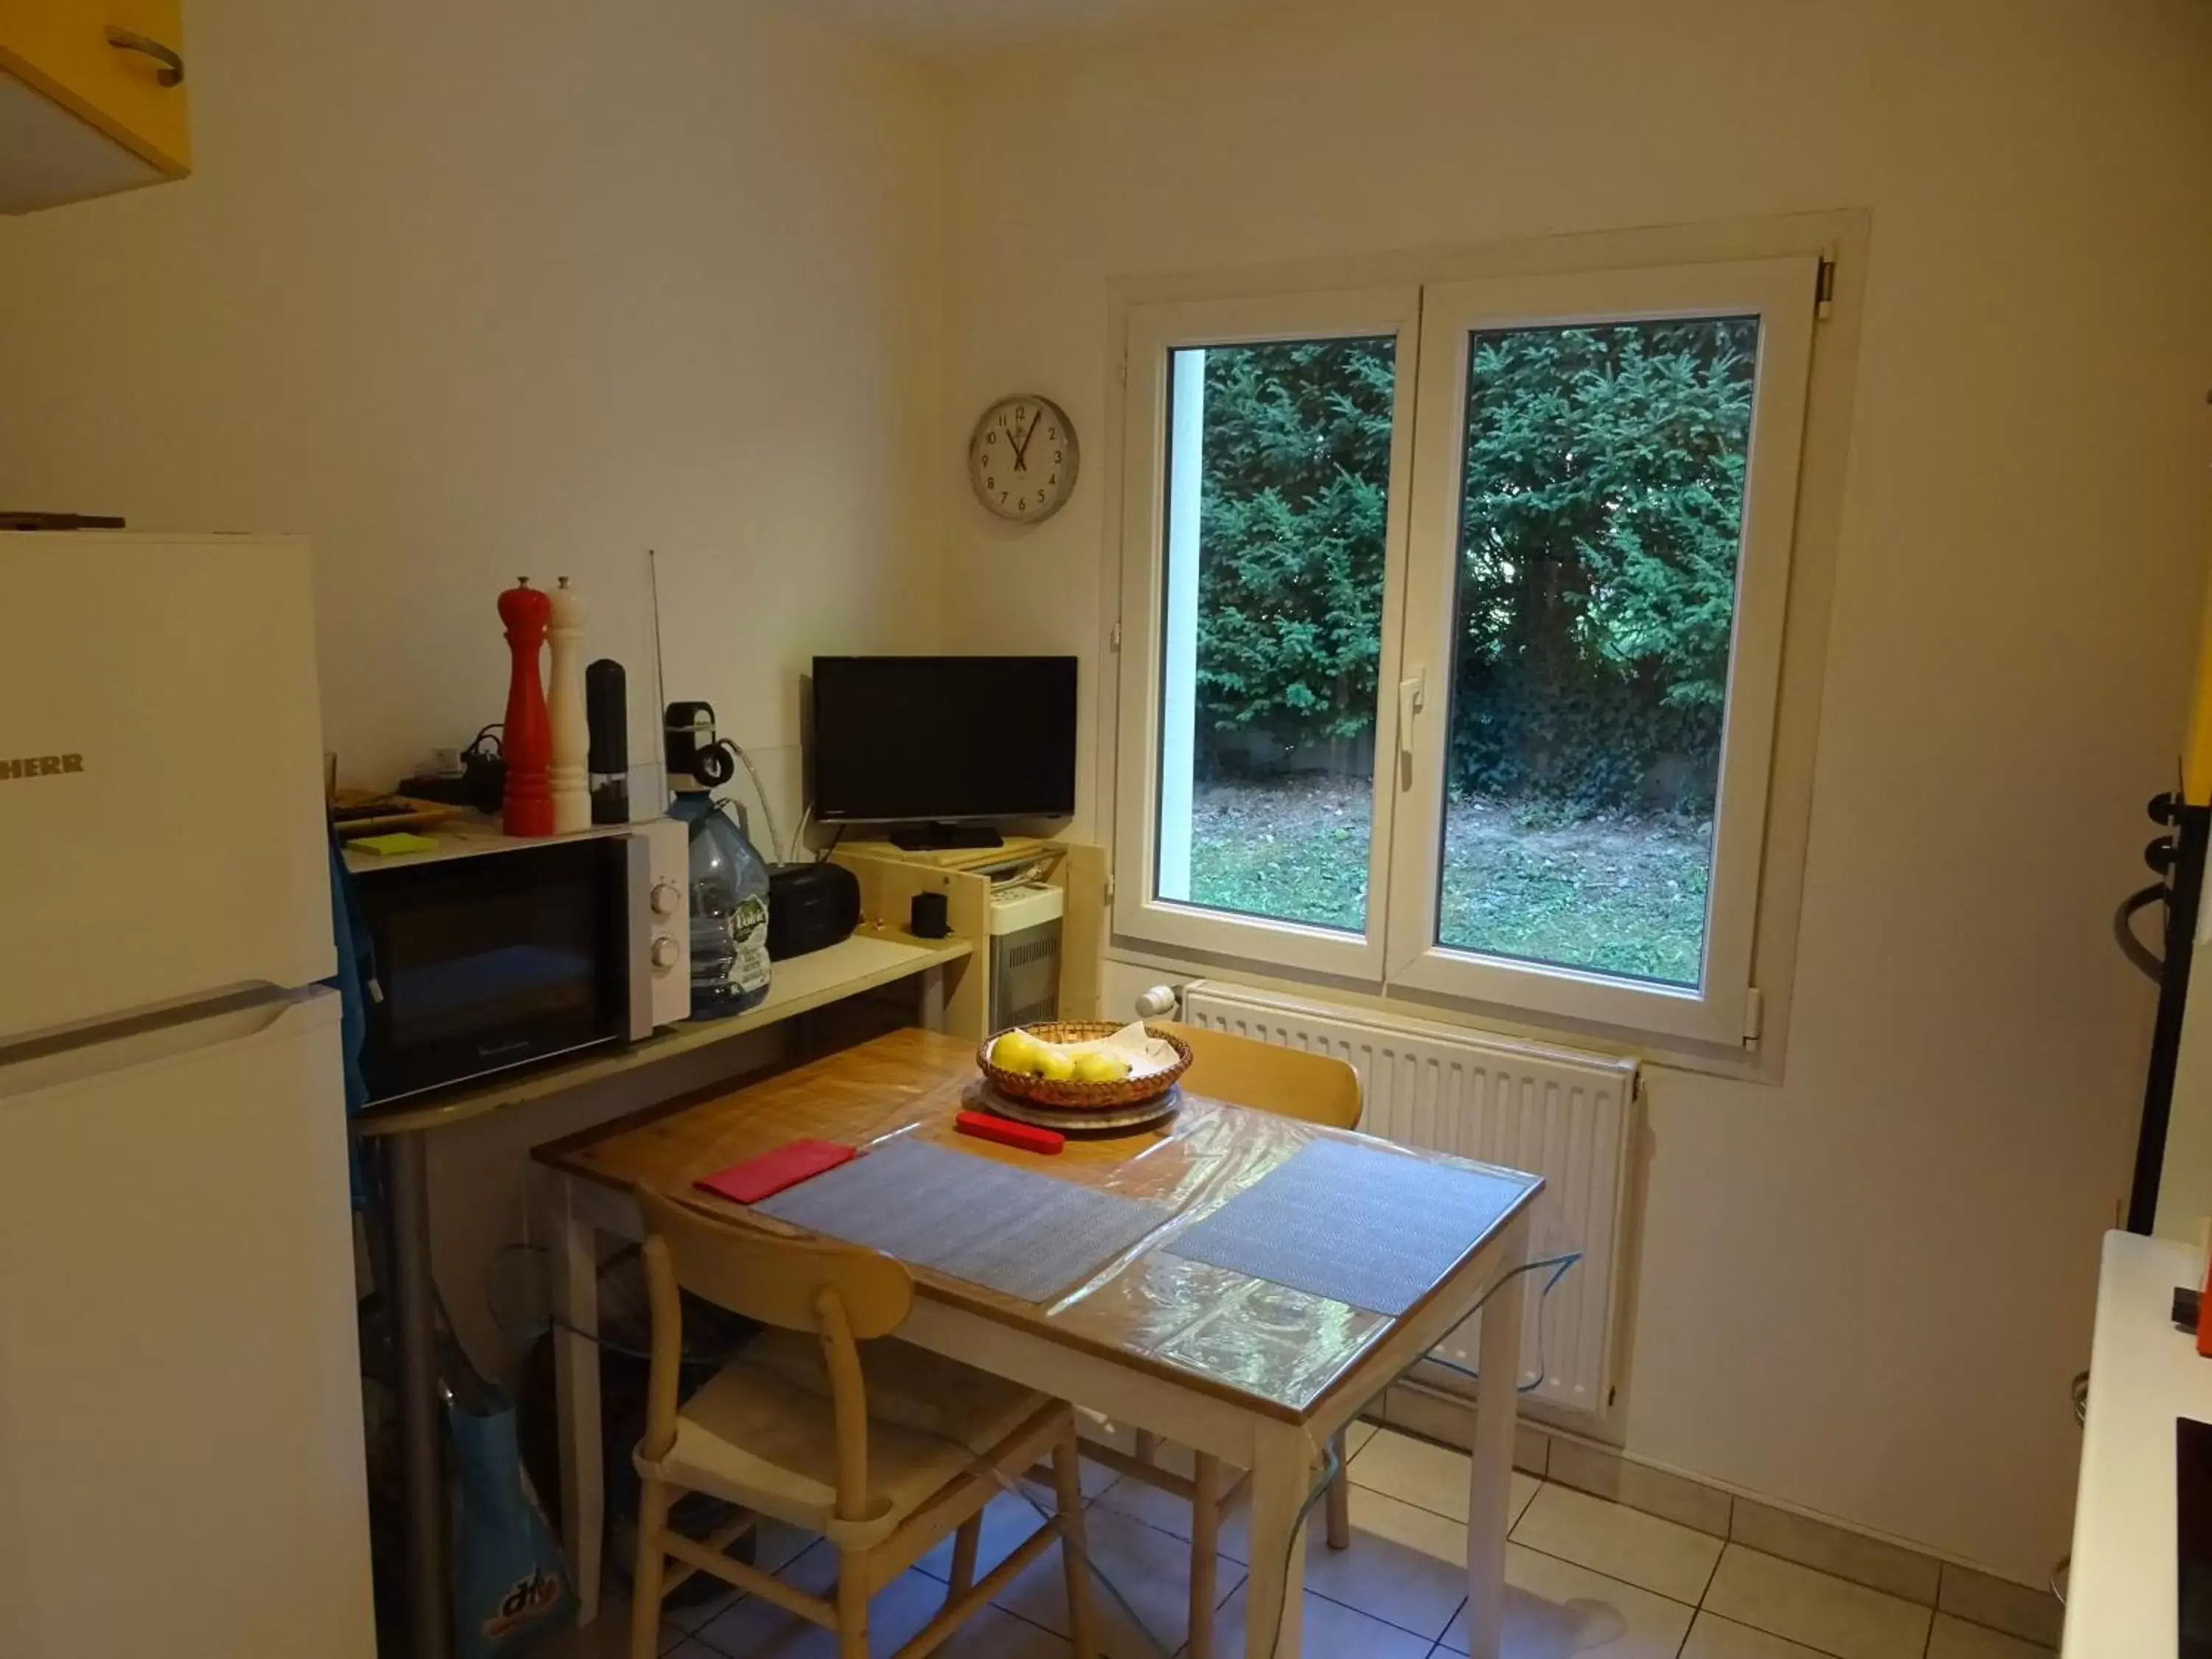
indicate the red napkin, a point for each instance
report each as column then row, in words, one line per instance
column 771, row 1172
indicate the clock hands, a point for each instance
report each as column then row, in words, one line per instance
column 1022, row 449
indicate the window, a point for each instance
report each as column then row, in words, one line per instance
column 1452, row 632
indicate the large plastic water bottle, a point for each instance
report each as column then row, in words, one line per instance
column 729, row 909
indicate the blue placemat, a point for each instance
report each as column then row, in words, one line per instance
column 1015, row 1231
column 1358, row 1224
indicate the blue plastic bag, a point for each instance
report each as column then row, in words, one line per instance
column 511, row 1585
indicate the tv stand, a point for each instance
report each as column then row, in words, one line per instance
column 944, row 837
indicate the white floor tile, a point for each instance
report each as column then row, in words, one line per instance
column 1413, row 1472
column 991, row 1634
column 606, row 1637
column 1555, row 1609
column 1161, row 1510
column 775, row 1546
column 1954, row 1639
column 758, row 1629
column 1832, row 1614
column 1149, row 1568
column 1433, row 1478
column 1169, row 1513
column 1164, row 1510
column 1619, row 1542
column 1332, row 1632
column 1007, row 1520
column 1715, row 1638
column 1157, row 1508
column 1406, row 1565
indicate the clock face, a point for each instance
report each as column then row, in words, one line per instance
column 1022, row 458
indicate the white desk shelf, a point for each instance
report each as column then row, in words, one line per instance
column 867, row 960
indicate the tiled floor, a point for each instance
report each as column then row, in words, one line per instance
column 1585, row 1576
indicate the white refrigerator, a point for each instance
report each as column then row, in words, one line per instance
column 180, row 1439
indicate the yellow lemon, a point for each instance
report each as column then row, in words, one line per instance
column 1017, row 1052
column 1097, row 1067
column 1054, row 1067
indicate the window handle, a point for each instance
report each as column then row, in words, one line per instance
column 1413, row 697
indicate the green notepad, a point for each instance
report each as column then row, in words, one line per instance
column 390, row 846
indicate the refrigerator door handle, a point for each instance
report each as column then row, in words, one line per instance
column 254, row 1014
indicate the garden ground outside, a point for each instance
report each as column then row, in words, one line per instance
column 1616, row 894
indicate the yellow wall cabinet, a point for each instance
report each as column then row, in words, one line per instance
column 91, row 100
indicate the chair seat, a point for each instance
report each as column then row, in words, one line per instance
column 763, row 1433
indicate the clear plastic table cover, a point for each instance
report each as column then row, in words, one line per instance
column 1239, row 1333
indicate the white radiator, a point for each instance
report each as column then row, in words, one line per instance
column 1559, row 1113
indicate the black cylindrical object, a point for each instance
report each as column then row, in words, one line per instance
column 606, row 712
column 927, row 917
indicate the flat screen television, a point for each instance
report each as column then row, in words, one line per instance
column 944, row 740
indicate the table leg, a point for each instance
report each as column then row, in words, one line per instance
column 1274, row 1596
column 1205, row 1552
column 576, row 1387
column 422, row 1435
column 1491, row 1480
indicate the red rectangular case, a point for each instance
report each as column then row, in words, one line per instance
column 771, row 1172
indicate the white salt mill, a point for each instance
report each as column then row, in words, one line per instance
column 564, row 712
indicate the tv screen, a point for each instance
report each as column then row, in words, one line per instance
column 943, row 738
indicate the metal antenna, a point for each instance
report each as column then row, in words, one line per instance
column 658, row 711
column 653, row 581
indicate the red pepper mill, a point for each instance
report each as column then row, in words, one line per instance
column 528, row 744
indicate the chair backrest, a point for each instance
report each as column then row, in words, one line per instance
column 839, row 1292
column 1268, row 1077
column 775, row 1279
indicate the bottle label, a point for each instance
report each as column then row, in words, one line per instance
column 749, row 933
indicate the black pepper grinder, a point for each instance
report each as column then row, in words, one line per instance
column 606, row 712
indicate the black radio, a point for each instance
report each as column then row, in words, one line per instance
column 811, row 907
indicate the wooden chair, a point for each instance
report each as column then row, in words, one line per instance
column 825, row 1423
column 1289, row 1082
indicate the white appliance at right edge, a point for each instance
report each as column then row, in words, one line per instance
column 180, row 1439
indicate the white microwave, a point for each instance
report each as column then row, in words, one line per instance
column 494, row 952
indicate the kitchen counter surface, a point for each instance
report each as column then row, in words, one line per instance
column 2143, row 1373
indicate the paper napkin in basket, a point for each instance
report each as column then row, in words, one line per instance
column 1145, row 1052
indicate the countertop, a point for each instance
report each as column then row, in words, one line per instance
column 2122, row 1590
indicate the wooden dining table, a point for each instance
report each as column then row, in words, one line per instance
column 1259, row 1374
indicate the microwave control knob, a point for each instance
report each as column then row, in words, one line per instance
column 664, row 951
column 667, row 898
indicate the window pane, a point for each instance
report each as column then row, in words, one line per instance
column 1278, row 478
column 1601, row 517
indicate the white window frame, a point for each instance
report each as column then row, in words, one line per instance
column 1155, row 333
column 1770, row 269
column 1780, row 293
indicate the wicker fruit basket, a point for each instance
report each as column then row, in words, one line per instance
column 1073, row 1096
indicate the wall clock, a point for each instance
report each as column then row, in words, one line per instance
column 1022, row 458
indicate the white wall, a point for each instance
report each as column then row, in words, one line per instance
column 466, row 292
column 463, row 292
column 1863, row 1290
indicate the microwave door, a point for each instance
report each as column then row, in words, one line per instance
column 485, row 963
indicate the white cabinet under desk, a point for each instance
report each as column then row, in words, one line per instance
column 2123, row 1595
